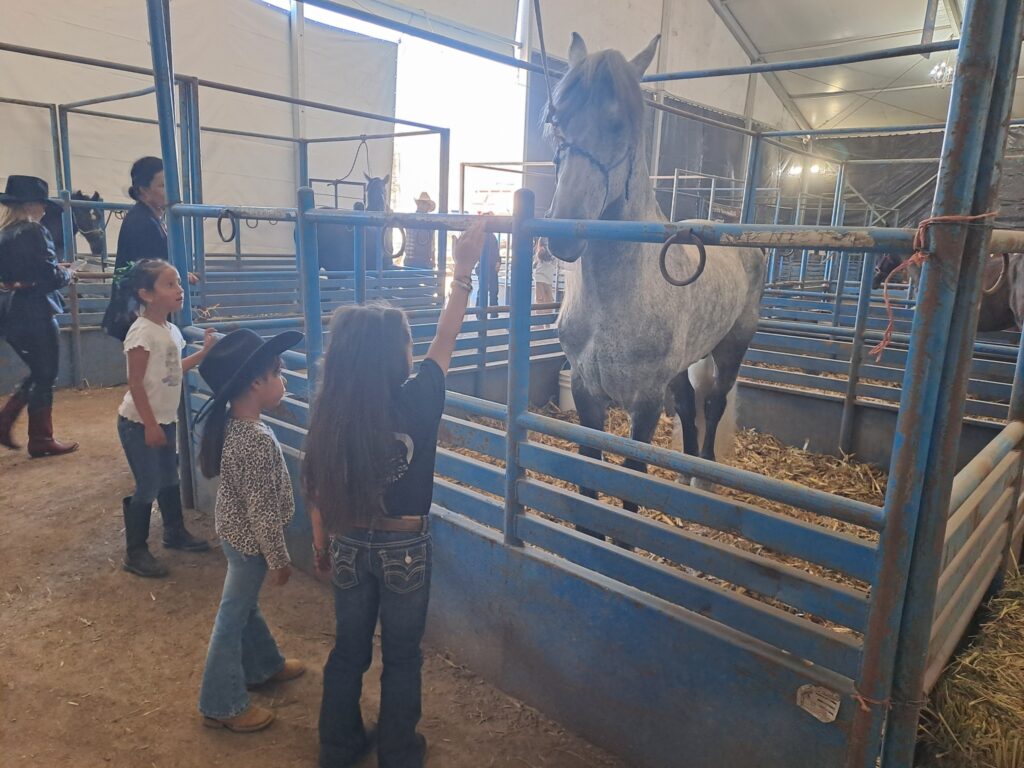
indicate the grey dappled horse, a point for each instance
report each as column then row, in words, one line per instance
column 629, row 335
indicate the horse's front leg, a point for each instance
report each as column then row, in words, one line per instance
column 643, row 421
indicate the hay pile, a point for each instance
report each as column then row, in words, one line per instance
column 755, row 452
column 975, row 717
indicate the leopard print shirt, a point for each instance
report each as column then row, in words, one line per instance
column 254, row 501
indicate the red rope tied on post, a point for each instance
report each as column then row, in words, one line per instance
column 916, row 259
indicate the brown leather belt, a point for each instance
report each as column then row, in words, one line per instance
column 396, row 525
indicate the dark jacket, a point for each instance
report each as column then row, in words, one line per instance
column 28, row 259
column 142, row 237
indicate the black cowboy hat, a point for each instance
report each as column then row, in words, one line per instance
column 25, row 189
column 238, row 358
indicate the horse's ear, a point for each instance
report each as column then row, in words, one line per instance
column 367, row 176
column 577, row 50
column 387, row 179
column 643, row 59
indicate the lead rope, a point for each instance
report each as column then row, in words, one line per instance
column 917, row 259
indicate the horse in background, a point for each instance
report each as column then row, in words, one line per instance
column 87, row 222
column 335, row 247
column 630, row 336
column 1002, row 295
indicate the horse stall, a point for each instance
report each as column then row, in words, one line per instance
column 823, row 630
column 791, row 627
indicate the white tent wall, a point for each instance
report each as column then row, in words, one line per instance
column 696, row 39
column 240, row 42
column 487, row 23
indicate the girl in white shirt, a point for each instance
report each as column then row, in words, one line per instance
column 148, row 414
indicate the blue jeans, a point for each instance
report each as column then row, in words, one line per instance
column 242, row 650
column 385, row 574
column 152, row 468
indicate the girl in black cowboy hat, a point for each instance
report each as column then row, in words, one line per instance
column 30, row 281
column 148, row 415
column 254, row 503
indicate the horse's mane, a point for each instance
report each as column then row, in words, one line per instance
column 605, row 72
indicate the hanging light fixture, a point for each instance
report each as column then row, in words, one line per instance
column 942, row 74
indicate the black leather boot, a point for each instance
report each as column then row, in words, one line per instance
column 175, row 534
column 137, row 557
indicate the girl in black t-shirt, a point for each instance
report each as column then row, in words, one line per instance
column 368, row 478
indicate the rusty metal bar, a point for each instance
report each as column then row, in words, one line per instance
column 909, row 467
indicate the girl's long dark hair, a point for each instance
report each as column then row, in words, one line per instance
column 215, row 425
column 352, row 422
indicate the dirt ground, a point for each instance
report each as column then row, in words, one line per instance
column 100, row 668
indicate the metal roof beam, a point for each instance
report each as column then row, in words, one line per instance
column 740, row 35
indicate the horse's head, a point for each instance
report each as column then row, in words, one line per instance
column 596, row 126
column 89, row 221
column 884, row 266
column 377, row 192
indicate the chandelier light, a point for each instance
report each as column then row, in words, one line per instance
column 942, row 74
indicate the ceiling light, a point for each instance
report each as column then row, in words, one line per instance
column 795, row 170
column 815, row 168
column 942, row 74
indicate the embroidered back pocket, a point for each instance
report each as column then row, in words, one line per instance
column 343, row 565
column 405, row 567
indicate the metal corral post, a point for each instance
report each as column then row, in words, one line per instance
column 196, row 166
column 359, row 262
column 68, row 256
column 309, row 275
column 856, row 355
column 1004, row 45
column 442, row 207
column 185, row 129
column 303, row 147
column 65, row 147
column 518, row 357
column 837, row 214
column 58, row 168
column 163, row 77
column 159, row 36
column 909, row 469
column 748, row 211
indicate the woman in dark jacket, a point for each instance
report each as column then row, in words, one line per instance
column 143, row 236
column 30, row 280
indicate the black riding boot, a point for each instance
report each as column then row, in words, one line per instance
column 175, row 534
column 137, row 558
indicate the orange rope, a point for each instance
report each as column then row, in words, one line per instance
column 864, row 701
column 917, row 259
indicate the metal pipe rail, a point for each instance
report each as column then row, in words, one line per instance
column 818, row 502
column 789, row 66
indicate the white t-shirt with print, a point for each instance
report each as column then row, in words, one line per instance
column 162, row 381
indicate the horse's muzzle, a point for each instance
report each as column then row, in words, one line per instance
column 567, row 249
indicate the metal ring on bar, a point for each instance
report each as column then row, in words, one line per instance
column 683, row 236
column 999, row 280
column 384, row 240
column 232, row 217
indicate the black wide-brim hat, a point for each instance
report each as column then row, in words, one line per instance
column 239, row 358
column 25, row 189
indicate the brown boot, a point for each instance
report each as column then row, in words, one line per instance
column 40, row 435
column 253, row 719
column 292, row 669
column 8, row 415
